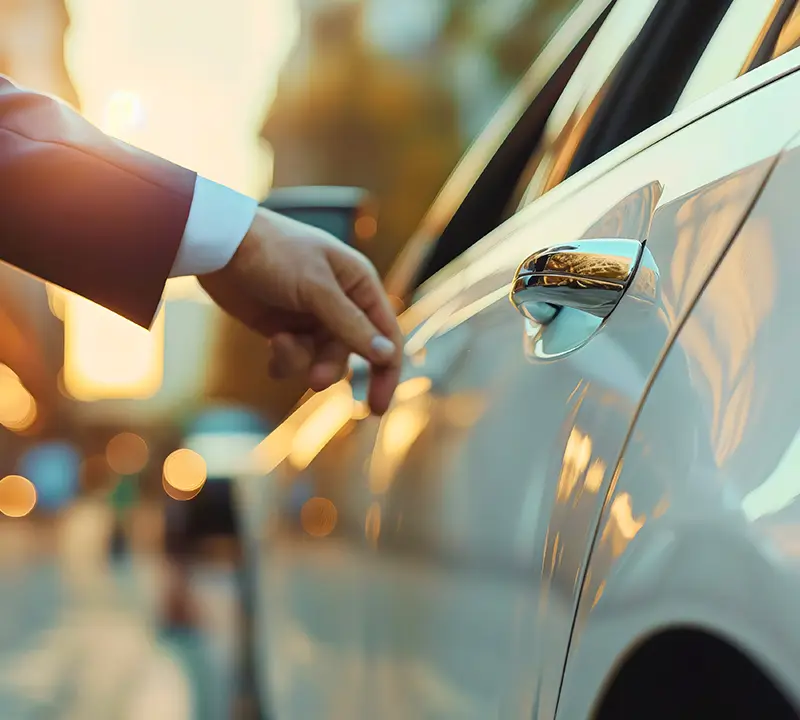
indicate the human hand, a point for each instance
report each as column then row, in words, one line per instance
column 316, row 299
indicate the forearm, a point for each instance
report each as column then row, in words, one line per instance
column 85, row 211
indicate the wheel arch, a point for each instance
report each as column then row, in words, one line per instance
column 675, row 669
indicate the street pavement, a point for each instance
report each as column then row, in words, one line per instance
column 79, row 636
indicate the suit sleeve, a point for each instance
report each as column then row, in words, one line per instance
column 84, row 211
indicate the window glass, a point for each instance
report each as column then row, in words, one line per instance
column 615, row 95
column 789, row 37
column 472, row 204
column 582, row 96
column 740, row 31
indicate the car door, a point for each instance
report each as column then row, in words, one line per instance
column 489, row 485
column 462, row 520
column 506, row 500
column 706, row 486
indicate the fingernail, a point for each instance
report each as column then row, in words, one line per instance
column 383, row 347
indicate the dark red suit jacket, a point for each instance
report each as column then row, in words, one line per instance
column 84, row 211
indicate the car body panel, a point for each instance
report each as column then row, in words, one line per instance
column 447, row 582
column 700, row 528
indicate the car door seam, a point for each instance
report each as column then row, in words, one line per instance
column 679, row 325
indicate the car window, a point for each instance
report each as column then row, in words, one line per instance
column 579, row 99
column 473, row 201
column 751, row 33
column 638, row 57
column 630, row 79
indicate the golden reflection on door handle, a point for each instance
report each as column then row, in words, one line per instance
column 588, row 275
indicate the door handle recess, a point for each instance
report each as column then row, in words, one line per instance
column 587, row 275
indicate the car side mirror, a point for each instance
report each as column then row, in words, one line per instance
column 347, row 213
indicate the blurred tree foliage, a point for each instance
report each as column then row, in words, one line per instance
column 347, row 112
column 515, row 44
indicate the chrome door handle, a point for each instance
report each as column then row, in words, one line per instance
column 588, row 275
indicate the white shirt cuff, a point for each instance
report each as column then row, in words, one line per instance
column 219, row 218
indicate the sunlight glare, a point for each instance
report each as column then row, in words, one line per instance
column 191, row 82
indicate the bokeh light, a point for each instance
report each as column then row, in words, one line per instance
column 366, row 227
column 181, row 495
column 412, row 388
column 17, row 406
column 53, row 466
column 17, row 496
column 184, row 473
column 107, row 357
column 322, row 426
column 127, row 453
column 318, row 516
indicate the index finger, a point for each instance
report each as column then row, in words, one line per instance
column 371, row 298
column 382, row 384
column 351, row 321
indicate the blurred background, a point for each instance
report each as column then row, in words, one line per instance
column 109, row 433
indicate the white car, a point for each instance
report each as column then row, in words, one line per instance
column 582, row 502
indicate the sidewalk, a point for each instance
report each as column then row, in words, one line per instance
column 75, row 642
column 95, row 666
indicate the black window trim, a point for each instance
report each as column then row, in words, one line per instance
column 640, row 71
column 476, row 217
column 473, row 221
